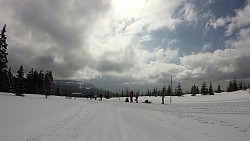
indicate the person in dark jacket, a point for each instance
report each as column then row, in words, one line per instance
column 127, row 100
column 101, row 97
column 131, row 94
column 136, row 97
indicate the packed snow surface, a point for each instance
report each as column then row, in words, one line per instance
column 222, row 117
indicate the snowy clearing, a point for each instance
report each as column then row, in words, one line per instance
column 221, row 117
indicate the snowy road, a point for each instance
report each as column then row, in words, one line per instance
column 34, row 118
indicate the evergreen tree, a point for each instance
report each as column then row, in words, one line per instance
column 168, row 92
column 219, row 89
column 235, row 85
column 197, row 90
column 48, row 79
column 194, row 90
column 178, row 90
column 127, row 92
column 230, row 86
column 3, row 60
column 122, row 94
column 41, row 82
column 154, row 92
column 159, row 93
column 244, row 87
column 10, row 81
column 204, row 90
column 108, row 95
column 210, row 91
column 36, row 81
column 58, row 91
column 240, row 86
column 20, row 82
column 5, row 81
column 30, row 85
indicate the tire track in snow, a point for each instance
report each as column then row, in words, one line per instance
column 105, row 124
column 123, row 130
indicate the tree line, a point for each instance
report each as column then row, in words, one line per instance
column 233, row 85
column 35, row 82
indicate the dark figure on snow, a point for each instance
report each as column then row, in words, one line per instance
column 136, row 97
column 46, row 95
column 101, row 97
column 95, row 96
column 127, row 100
column 131, row 94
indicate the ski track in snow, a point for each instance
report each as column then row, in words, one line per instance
column 90, row 120
column 67, row 126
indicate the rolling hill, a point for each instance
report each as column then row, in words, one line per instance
column 74, row 86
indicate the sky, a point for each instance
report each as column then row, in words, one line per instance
column 136, row 44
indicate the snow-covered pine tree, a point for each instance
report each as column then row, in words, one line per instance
column 211, row 91
column 3, row 60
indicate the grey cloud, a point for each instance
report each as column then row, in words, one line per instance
column 45, row 27
column 243, row 67
column 117, row 61
column 108, row 66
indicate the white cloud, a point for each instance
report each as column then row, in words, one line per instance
column 231, row 23
column 115, row 45
column 217, row 65
column 242, row 41
column 207, row 47
column 189, row 13
column 220, row 22
column 241, row 19
column 148, row 12
column 86, row 73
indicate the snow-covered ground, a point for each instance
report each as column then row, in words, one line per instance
column 220, row 117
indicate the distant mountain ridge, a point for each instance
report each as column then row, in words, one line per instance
column 75, row 86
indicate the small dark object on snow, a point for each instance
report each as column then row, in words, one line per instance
column 20, row 95
column 126, row 100
column 146, row 101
